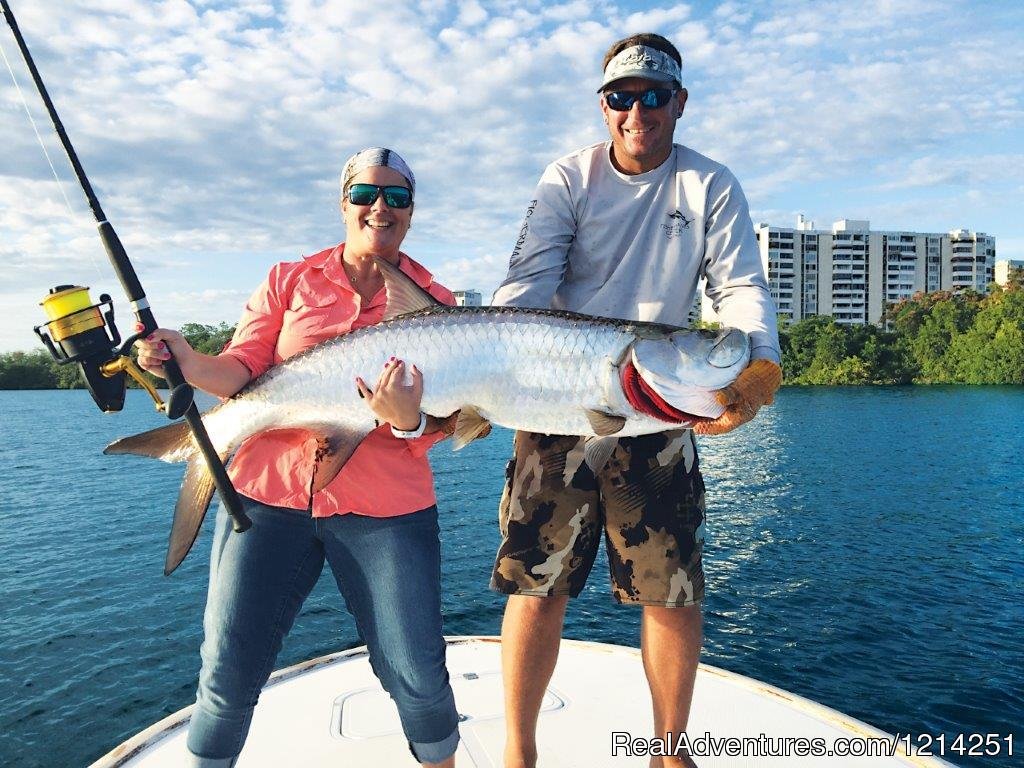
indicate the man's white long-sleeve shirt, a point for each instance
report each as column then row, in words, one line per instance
column 605, row 243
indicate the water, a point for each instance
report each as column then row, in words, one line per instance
column 864, row 551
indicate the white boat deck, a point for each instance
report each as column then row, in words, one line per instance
column 332, row 711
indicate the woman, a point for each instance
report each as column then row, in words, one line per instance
column 382, row 547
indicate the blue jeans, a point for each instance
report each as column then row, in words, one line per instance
column 389, row 573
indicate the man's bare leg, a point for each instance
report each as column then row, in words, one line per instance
column 449, row 763
column 670, row 640
column 530, row 635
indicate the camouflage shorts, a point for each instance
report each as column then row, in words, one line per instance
column 649, row 499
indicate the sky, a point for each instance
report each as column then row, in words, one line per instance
column 214, row 132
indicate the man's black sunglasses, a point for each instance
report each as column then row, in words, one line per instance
column 366, row 194
column 652, row 98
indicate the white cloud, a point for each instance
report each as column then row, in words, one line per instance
column 580, row 9
column 733, row 12
column 471, row 13
column 802, row 38
column 938, row 171
column 653, row 20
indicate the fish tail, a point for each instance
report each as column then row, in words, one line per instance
column 193, row 501
column 174, row 443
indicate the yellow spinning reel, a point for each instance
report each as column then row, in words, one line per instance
column 79, row 332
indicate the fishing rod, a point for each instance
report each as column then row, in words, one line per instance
column 83, row 334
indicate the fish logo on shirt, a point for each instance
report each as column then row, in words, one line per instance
column 681, row 219
column 678, row 223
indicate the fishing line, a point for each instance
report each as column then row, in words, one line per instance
column 42, row 146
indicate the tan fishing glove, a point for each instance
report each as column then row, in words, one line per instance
column 754, row 387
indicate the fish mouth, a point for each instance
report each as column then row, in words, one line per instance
column 646, row 400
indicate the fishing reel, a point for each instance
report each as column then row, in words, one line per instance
column 81, row 332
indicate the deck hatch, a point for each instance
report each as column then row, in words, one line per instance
column 369, row 713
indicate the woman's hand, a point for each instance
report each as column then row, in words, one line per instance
column 158, row 347
column 220, row 375
column 393, row 401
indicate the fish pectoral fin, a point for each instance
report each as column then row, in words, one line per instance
column 598, row 450
column 470, row 426
column 403, row 294
column 605, row 423
column 193, row 501
column 335, row 449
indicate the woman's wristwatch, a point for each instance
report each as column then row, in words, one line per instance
column 409, row 435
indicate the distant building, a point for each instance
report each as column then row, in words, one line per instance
column 1004, row 267
column 852, row 273
column 468, row 298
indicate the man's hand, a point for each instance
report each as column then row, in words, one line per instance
column 754, row 387
column 393, row 401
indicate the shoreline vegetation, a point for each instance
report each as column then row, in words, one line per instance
column 934, row 338
column 37, row 370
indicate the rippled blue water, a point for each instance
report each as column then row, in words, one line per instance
column 865, row 551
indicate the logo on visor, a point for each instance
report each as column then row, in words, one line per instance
column 639, row 60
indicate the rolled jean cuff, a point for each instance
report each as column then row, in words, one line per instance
column 436, row 751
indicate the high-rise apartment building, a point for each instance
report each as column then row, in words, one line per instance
column 851, row 272
column 971, row 258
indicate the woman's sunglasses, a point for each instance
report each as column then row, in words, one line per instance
column 366, row 194
column 652, row 98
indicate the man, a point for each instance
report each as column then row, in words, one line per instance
column 624, row 229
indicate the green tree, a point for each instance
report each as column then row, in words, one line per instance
column 209, row 339
column 37, row 370
column 887, row 357
column 906, row 316
column 817, row 350
column 991, row 351
column 799, row 344
column 27, row 370
column 68, row 377
column 944, row 321
column 829, row 352
column 851, row 370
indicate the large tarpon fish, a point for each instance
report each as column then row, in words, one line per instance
column 536, row 370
